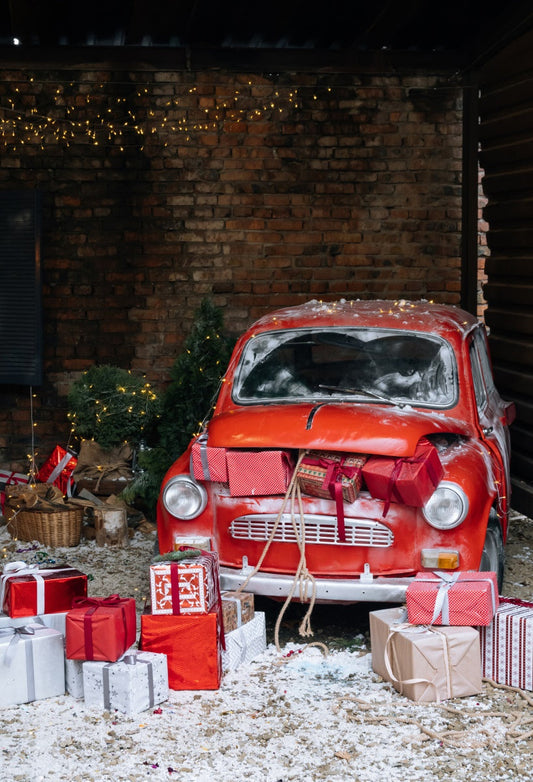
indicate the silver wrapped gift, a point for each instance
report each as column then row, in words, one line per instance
column 32, row 664
column 245, row 643
column 136, row 682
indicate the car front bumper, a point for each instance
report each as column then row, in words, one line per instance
column 367, row 588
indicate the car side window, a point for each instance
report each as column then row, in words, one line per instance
column 481, row 370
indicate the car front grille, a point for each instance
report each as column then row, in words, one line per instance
column 318, row 529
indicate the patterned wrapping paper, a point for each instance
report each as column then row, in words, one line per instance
column 445, row 598
column 507, row 645
column 189, row 586
column 31, row 590
column 192, row 644
column 208, row 463
column 410, row 480
column 245, row 643
column 258, row 473
column 31, row 664
column 135, row 683
column 237, row 609
column 320, row 470
column 426, row 664
column 99, row 628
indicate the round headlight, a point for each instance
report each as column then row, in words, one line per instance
column 184, row 498
column 447, row 507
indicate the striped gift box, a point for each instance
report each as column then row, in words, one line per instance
column 507, row 645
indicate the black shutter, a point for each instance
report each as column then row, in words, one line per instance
column 20, row 288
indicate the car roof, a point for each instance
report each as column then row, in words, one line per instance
column 421, row 315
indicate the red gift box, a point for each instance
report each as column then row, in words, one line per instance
column 409, row 480
column 462, row 598
column 192, row 645
column 208, row 463
column 332, row 475
column 187, row 586
column 100, row 628
column 258, row 473
column 58, row 469
column 31, row 590
column 8, row 478
column 507, row 645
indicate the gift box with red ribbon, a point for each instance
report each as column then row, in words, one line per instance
column 100, row 628
column 208, row 463
column 31, row 590
column 189, row 585
column 192, row 644
column 408, row 480
column 58, row 469
column 461, row 598
column 507, row 645
column 332, row 475
column 258, row 473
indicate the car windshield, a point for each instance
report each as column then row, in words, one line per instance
column 378, row 365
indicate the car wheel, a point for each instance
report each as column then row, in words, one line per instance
column 493, row 555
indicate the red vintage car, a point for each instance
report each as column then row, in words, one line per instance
column 354, row 443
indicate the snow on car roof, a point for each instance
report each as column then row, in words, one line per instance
column 418, row 315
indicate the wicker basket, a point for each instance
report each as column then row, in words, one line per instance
column 51, row 527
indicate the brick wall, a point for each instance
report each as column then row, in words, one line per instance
column 162, row 187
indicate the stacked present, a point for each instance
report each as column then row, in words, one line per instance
column 454, row 631
column 202, row 631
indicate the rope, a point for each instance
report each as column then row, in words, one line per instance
column 302, row 577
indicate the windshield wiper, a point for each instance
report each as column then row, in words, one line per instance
column 361, row 391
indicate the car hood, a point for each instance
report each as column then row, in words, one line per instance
column 362, row 428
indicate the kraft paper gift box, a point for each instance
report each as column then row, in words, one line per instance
column 444, row 598
column 426, row 664
column 208, row 463
column 507, row 645
column 192, row 644
column 58, row 469
column 101, row 628
column 407, row 480
column 32, row 664
column 245, row 643
column 237, row 609
column 258, row 473
column 332, row 475
column 135, row 683
column 187, row 586
column 31, row 590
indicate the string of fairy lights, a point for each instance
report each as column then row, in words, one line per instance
column 98, row 114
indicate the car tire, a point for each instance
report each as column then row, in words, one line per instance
column 493, row 555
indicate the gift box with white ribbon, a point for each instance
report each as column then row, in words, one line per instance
column 31, row 590
column 444, row 598
column 245, row 643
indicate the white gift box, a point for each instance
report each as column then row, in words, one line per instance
column 507, row 645
column 136, row 682
column 55, row 621
column 74, row 677
column 32, row 664
column 245, row 643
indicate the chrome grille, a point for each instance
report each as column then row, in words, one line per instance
column 318, row 529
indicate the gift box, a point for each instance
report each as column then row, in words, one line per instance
column 192, row 644
column 208, row 463
column 100, row 628
column 258, row 473
column 334, row 476
column 58, row 469
column 74, row 677
column 408, row 480
column 426, row 664
column 237, row 609
column 9, row 478
column 445, row 598
column 136, row 682
column 31, row 590
column 31, row 664
column 186, row 586
column 507, row 645
column 245, row 643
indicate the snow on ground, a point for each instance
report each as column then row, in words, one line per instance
column 302, row 714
